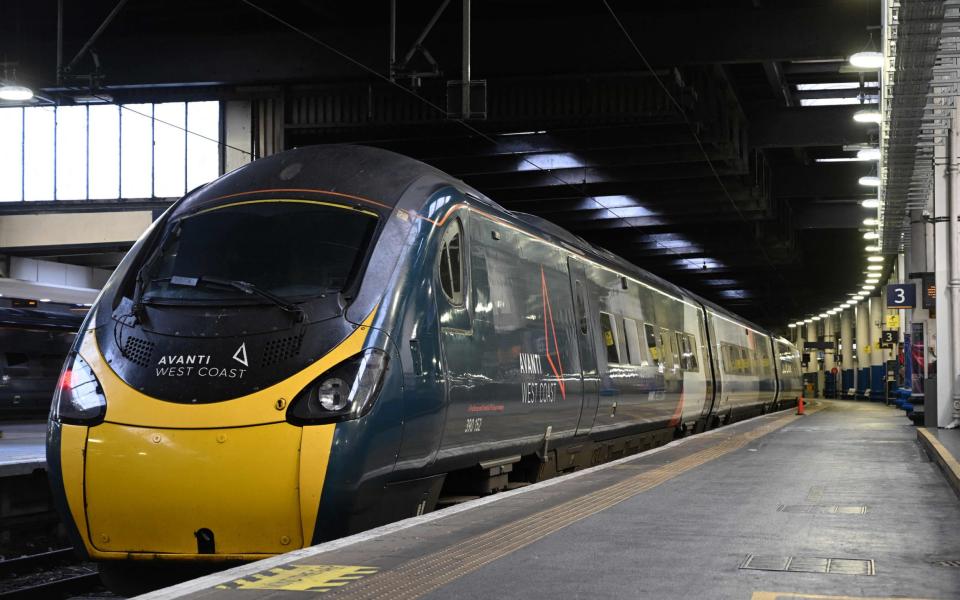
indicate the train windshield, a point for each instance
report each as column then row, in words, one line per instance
column 292, row 250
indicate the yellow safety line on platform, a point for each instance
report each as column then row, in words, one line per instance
column 800, row 596
column 423, row 575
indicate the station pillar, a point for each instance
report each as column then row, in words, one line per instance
column 863, row 348
column 877, row 366
column 846, row 353
column 811, row 370
column 829, row 358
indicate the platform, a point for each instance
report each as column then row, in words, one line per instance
column 841, row 503
column 943, row 447
column 22, row 448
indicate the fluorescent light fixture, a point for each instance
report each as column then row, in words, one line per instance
column 832, row 311
column 872, row 248
column 837, row 85
column 871, row 235
column 93, row 99
column 867, row 116
column 874, row 267
column 840, row 159
column 815, row 318
column 867, row 60
column 869, row 181
column 838, row 101
column 869, row 154
column 808, row 321
column 524, row 132
column 823, row 315
column 867, row 288
column 858, row 297
column 871, row 222
column 15, row 93
column 791, row 325
column 874, row 259
column 44, row 299
column 870, row 203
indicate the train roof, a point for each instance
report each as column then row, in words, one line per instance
column 384, row 176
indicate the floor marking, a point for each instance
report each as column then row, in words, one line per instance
column 801, row 596
column 424, row 575
column 210, row 581
column 300, row 578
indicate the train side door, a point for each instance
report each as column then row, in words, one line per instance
column 586, row 345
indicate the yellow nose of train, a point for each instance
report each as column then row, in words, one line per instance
column 231, row 480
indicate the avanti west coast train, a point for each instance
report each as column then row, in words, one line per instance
column 336, row 337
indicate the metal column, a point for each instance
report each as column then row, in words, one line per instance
column 829, row 378
column 846, row 351
column 877, row 371
column 863, row 348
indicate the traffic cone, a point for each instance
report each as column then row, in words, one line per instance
column 800, row 405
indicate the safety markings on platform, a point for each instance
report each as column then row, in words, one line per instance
column 799, row 596
column 301, row 578
column 423, row 575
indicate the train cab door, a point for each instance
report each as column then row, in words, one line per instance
column 585, row 345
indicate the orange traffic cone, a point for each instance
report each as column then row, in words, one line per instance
column 800, row 405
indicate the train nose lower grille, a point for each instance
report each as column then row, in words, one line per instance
column 281, row 349
column 138, row 351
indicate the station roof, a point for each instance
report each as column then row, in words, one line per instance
column 710, row 143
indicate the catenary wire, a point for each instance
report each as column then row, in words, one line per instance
column 441, row 110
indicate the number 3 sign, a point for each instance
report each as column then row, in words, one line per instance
column 902, row 295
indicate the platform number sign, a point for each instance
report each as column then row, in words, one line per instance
column 888, row 338
column 902, row 295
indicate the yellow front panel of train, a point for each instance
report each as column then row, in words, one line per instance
column 150, row 490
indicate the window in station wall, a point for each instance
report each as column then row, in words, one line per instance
column 107, row 151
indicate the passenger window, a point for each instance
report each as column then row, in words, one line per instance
column 610, row 339
column 688, row 354
column 651, row 336
column 581, row 306
column 669, row 345
column 451, row 263
column 632, row 333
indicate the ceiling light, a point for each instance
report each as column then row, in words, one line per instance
column 870, row 222
column 870, row 181
column 815, row 318
column 823, row 315
column 857, row 298
column 872, row 248
column 870, row 203
column 875, row 259
column 808, row 321
column 44, row 299
column 791, row 325
column 869, row 154
column 867, row 288
column 832, row 311
column 16, row 93
column 874, row 267
column 867, row 60
column 867, row 116
column 871, row 235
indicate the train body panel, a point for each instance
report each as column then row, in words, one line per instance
column 464, row 348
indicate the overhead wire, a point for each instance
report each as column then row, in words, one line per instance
column 443, row 111
column 693, row 133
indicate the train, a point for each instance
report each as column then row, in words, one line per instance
column 33, row 345
column 337, row 337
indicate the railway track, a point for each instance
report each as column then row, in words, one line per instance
column 46, row 575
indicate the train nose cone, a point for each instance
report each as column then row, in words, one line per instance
column 194, row 491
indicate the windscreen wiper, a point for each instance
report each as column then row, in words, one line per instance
column 243, row 286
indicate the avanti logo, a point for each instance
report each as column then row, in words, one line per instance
column 241, row 355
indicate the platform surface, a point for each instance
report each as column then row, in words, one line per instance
column 22, row 448
column 839, row 504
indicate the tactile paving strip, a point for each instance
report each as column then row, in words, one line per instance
column 423, row 575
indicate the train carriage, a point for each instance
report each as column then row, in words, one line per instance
column 336, row 337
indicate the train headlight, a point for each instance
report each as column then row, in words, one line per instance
column 79, row 397
column 347, row 391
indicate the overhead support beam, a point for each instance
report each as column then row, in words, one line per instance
column 807, row 126
column 33, row 231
